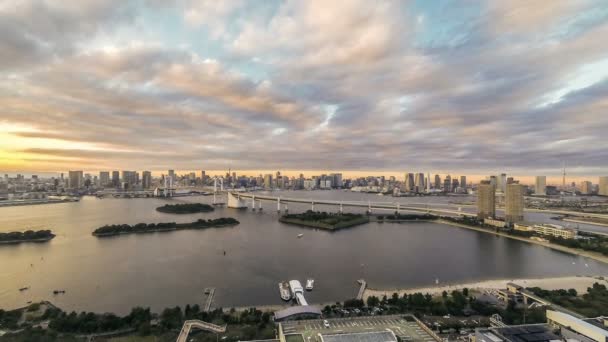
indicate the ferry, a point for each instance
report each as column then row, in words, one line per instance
column 310, row 283
column 285, row 291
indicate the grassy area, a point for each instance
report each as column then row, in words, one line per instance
column 324, row 220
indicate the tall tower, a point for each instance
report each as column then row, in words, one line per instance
column 540, row 186
column 486, row 200
column 514, row 203
column 564, row 176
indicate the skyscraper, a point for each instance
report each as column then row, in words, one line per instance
column 501, row 183
column 130, row 178
column 409, row 182
column 463, row 182
column 115, row 178
column 268, row 181
column 75, row 179
column 146, row 179
column 540, row 187
column 104, row 178
column 419, row 182
column 171, row 176
column 514, row 203
column 603, row 186
column 437, row 182
column 447, row 184
column 586, row 187
column 486, row 200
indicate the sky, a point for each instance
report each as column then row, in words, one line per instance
column 461, row 87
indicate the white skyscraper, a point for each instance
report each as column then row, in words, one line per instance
column 540, row 187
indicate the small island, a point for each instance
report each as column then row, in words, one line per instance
column 323, row 220
column 27, row 236
column 185, row 208
column 119, row 229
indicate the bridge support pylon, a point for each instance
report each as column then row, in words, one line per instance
column 279, row 204
column 369, row 208
column 341, row 209
column 253, row 203
column 312, row 206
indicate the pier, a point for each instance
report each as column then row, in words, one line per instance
column 362, row 288
column 207, row 306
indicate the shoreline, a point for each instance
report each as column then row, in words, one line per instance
column 601, row 224
column 579, row 283
column 591, row 255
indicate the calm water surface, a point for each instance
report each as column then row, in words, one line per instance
column 167, row 269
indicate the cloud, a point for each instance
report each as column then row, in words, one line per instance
column 351, row 85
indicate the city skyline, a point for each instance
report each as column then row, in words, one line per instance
column 470, row 88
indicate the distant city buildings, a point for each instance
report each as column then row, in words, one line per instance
column 104, row 178
column 586, row 188
column 146, row 179
column 540, row 186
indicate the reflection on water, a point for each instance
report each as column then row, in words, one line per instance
column 167, row 269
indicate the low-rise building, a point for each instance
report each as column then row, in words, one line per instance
column 547, row 229
column 495, row 222
column 573, row 328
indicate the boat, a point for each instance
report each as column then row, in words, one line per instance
column 24, row 288
column 300, row 235
column 285, row 291
column 207, row 290
column 310, row 283
column 58, row 291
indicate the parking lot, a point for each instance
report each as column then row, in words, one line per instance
column 403, row 327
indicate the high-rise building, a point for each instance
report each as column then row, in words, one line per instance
column 75, row 179
column 437, row 182
column 514, row 203
column 409, row 182
column 501, row 183
column 104, row 178
column 419, row 182
column 336, row 180
column 146, row 179
column 493, row 181
column 540, row 187
column 203, row 178
column 171, row 175
column 115, row 178
column 603, row 186
column 268, row 181
column 586, row 187
column 129, row 178
column 463, row 182
column 455, row 184
column 447, row 184
column 486, row 200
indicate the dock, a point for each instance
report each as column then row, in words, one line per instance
column 361, row 289
column 207, row 306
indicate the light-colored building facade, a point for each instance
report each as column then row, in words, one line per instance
column 603, row 186
column 547, row 229
column 514, row 203
column 540, row 186
column 104, row 178
column 586, row 187
column 486, row 200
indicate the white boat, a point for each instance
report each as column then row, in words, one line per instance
column 284, row 290
column 300, row 235
column 310, row 283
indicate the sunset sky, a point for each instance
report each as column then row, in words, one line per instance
column 460, row 87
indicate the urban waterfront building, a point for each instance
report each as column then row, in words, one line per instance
column 75, row 179
column 486, row 200
column 447, row 184
column 547, row 229
column 115, row 178
column 514, row 203
column 419, row 182
column 463, row 182
column 603, row 186
column 501, row 183
column 146, row 179
column 268, row 181
column 437, row 182
column 586, row 187
column 104, row 178
column 540, row 186
column 129, row 179
column 409, row 182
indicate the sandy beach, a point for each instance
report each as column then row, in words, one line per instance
column 580, row 284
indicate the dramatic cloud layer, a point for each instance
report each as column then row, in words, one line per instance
column 519, row 86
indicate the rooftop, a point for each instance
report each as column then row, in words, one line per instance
column 376, row 336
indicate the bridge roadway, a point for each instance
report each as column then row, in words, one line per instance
column 194, row 323
column 536, row 298
column 369, row 205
